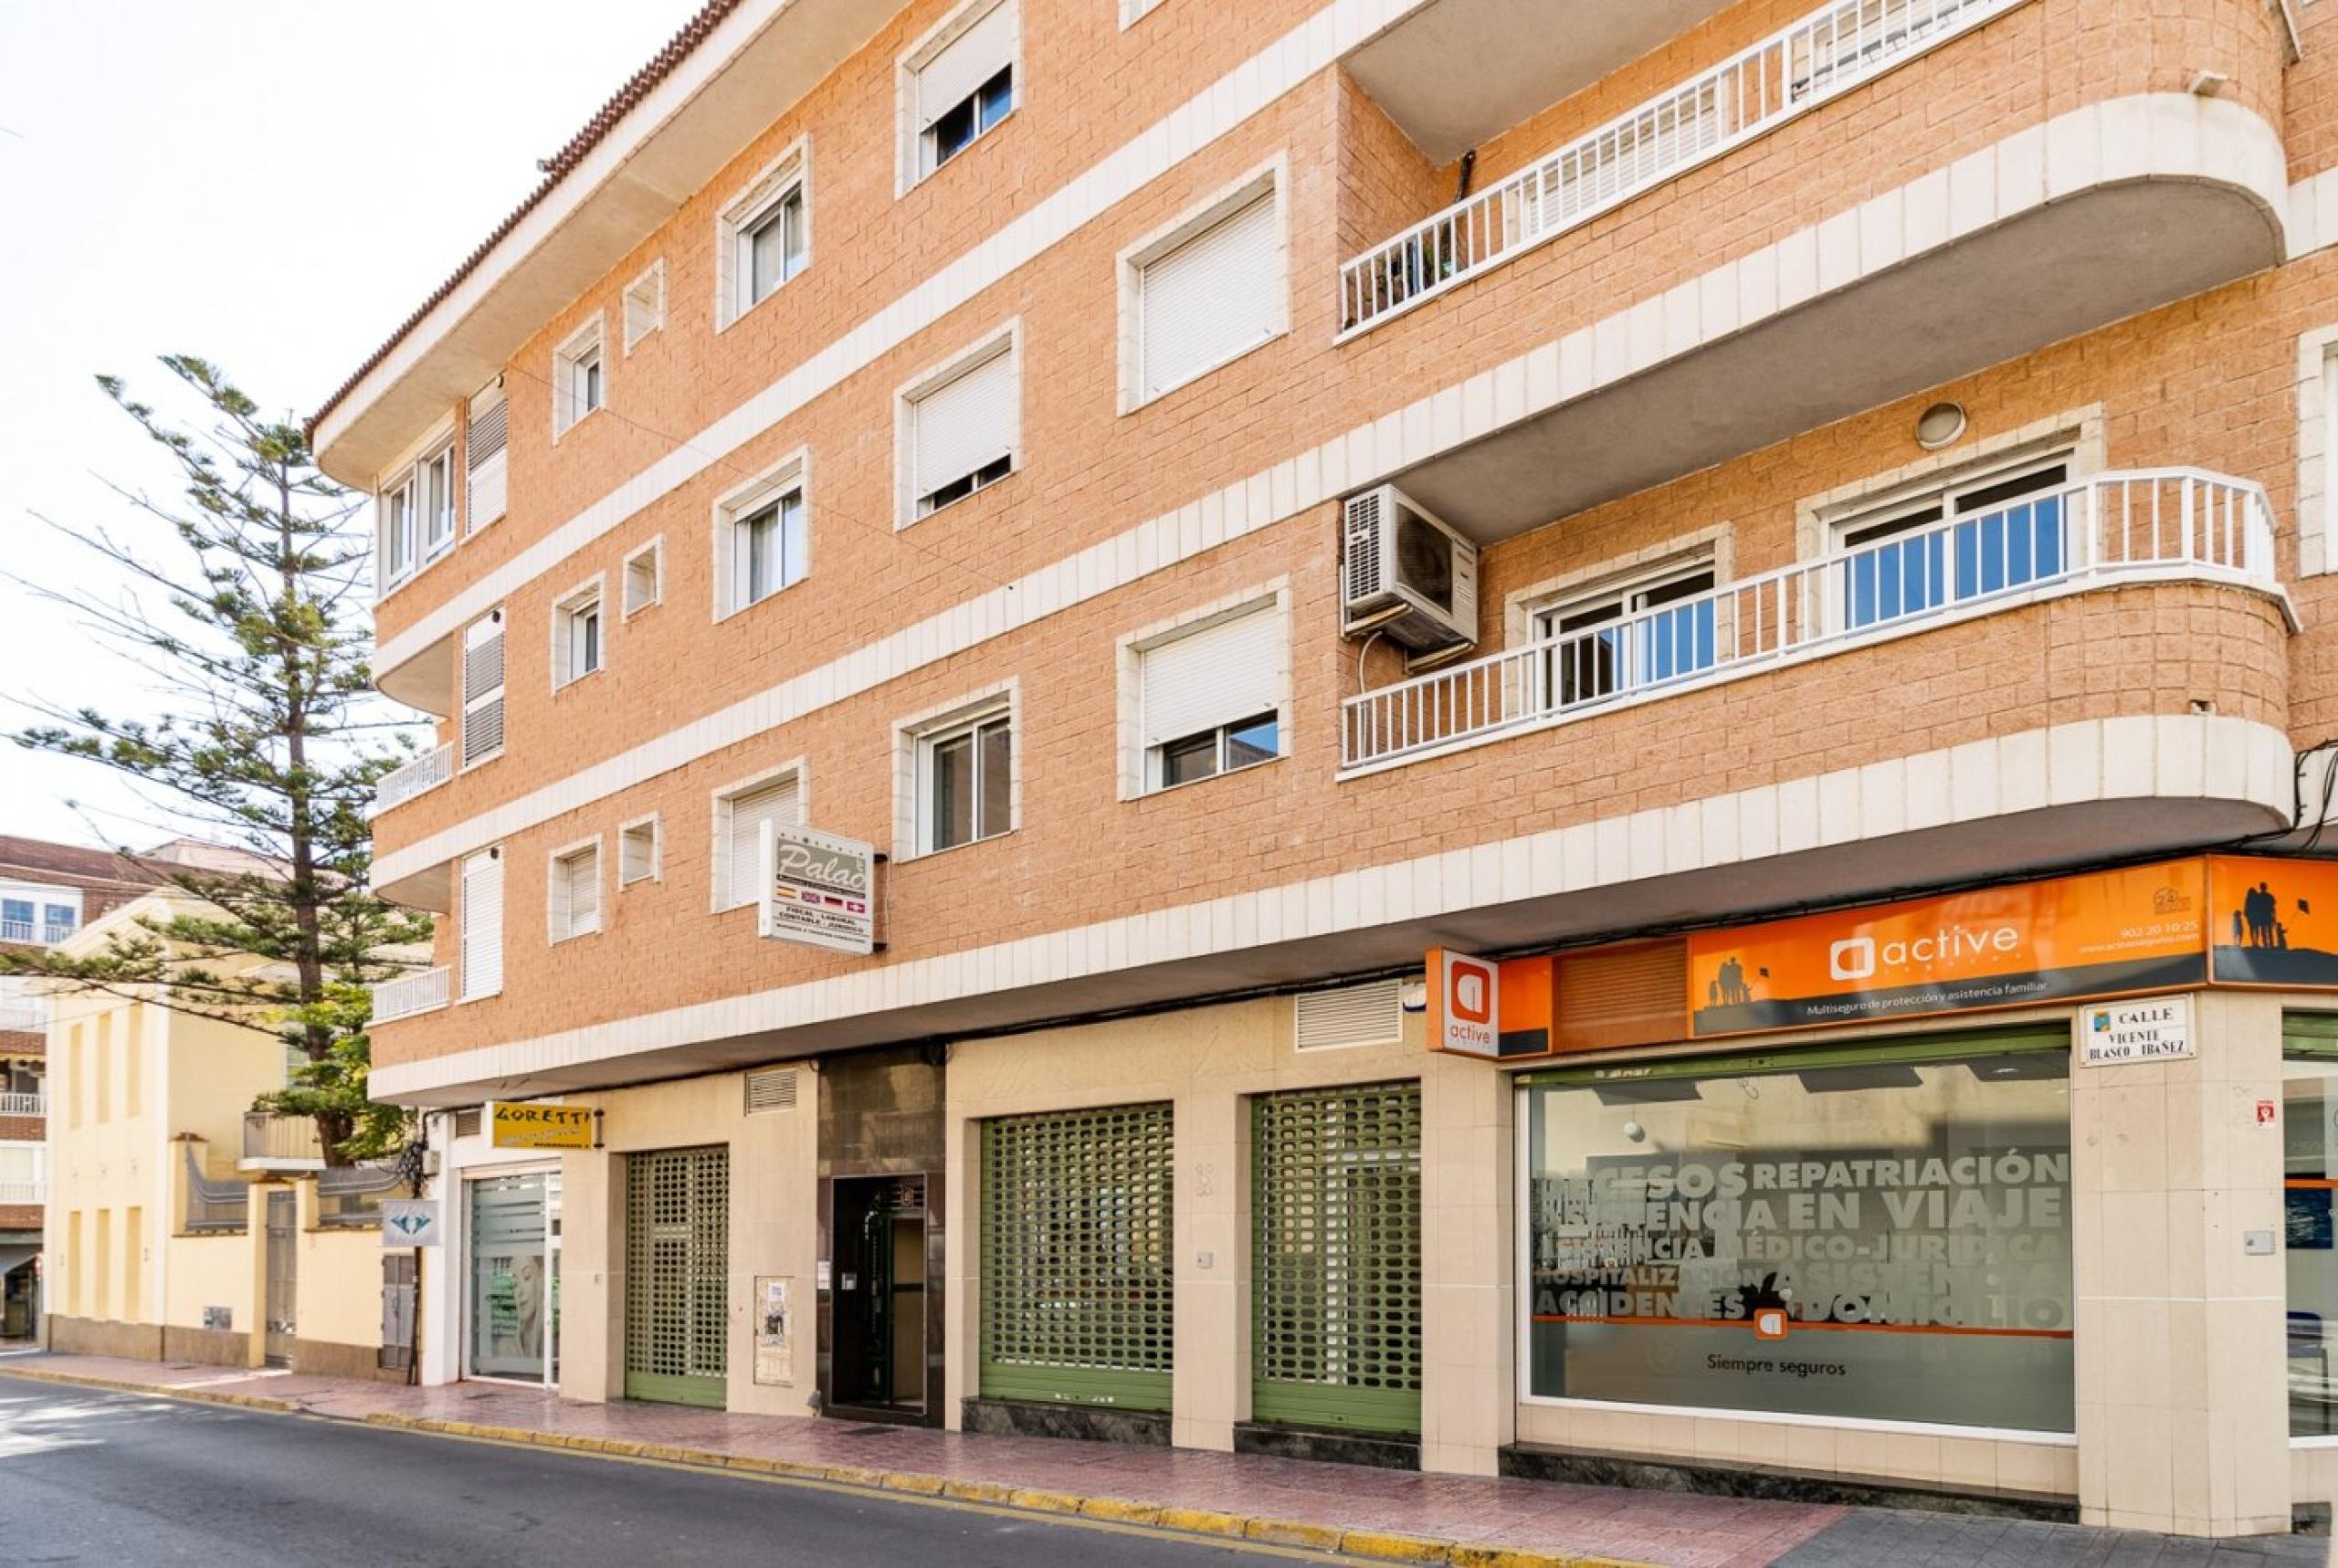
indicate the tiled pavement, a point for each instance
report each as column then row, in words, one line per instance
column 1685, row 1531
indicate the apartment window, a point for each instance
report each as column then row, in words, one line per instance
column 638, row 852
column 958, row 84
column 400, row 518
column 573, row 901
column 577, row 372
column 959, row 426
column 763, row 238
column 738, row 817
column 1208, row 291
column 1983, row 532
column 576, row 635
column 483, row 448
column 483, row 689
column 59, row 921
column 16, row 922
column 436, row 474
column 481, row 910
column 965, row 780
column 644, row 304
column 1211, row 696
column 645, row 577
column 762, row 539
column 1649, row 629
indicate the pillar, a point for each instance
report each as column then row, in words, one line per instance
column 1468, row 1293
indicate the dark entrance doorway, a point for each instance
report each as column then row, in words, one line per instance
column 881, row 1208
column 879, row 1278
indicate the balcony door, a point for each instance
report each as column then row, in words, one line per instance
column 1991, row 531
column 1629, row 636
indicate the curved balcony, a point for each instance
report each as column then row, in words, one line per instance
column 420, row 776
column 2141, row 525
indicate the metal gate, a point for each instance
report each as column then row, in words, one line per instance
column 678, row 1260
column 1335, row 1257
column 283, row 1276
column 1077, row 1253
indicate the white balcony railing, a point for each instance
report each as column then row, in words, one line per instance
column 24, row 1192
column 23, row 1105
column 2119, row 526
column 23, row 1018
column 410, row 994
column 282, row 1142
column 420, row 776
column 1819, row 58
column 29, row 930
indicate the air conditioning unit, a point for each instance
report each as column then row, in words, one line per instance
column 1406, row 574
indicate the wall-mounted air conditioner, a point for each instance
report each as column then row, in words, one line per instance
column 1405, row 574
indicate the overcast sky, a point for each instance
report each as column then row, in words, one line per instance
column 272, row 186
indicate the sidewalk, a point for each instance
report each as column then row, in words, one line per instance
column 1387, row 1515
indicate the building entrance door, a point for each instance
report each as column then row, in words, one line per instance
column 283, row 1276
column 878, row 1299
column 677, row 1284
column 512, row 1243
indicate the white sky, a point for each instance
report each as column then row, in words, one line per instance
column 272, row 185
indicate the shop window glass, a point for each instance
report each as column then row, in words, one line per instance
column 515, row 1277
column 2309, row 1174
column 1864, row 1234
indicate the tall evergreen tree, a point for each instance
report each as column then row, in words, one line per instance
column 267, row 741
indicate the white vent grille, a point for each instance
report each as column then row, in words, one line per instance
column 483, row 457
column 468, row 1122
column 771, row 1089
column 1364, row 545
column 483, row 689
column 1371, row 1015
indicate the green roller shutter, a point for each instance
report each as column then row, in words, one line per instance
column 678, row 1287
column 1335, row 1257
column 1076, row 1288
column 2310, row 1035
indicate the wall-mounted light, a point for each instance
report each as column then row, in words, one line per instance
column 2208, row 84
column 1940, row 426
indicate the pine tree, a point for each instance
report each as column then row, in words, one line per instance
column 269, row 742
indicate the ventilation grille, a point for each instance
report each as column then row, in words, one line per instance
column 771, row 1089
column 468, row 1122
column 1371, row 1015
column 1364, row 546
column 1625, row 996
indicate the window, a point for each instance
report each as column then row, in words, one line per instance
column 59, row 921
column 1211, row 697
column 1209, row 292
column 401, row 549
column 961, row 426
column 1982, row 534
column 762, row 540
column 644, row 304
column 2310, row 1102
column 576, row 635
column 577, row 387
column 573, row 901
column 416, row 513
column 966, row 780
column 17, row 920
column 483, row 689
column 739, row 818
column 958, row 84
column 483, row 454
column 437, row 495
column 644, row 577
column 1637, row 633
column 1135, row 11
column 638, row 852
column 763, row 238
column 481, row 912
column 1685, row 1216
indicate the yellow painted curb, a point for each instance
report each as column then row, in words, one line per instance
column 978, row 1491
column 1203, row 1521
column 1395, row 1548
column 905, row 1481
column 1286, row 1532
column 1044, row 1501
column 1120, row 1512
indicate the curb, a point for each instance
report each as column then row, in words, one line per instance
column 1378, row 1545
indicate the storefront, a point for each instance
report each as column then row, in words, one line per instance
column 511, row 1231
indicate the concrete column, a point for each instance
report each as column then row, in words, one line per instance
column 1468, row 1297
column 592, row 1285
column 1210, row 1384
column 2182, row 1385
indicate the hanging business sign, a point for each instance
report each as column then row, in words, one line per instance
column 410, row 1222
column 1464, row 1004
column 512, row 1126
column 818, row 888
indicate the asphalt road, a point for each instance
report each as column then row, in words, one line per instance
column 89, row 1477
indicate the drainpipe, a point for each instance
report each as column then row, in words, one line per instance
column 1468, row 167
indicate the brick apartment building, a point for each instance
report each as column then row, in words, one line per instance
column 1525, row 702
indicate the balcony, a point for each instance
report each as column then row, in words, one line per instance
column 274, row 1143
column 409, row 995
column 23, row 1017
column 2144, row 525
column 49, row 935
column 24, row 1104
column 420, row 776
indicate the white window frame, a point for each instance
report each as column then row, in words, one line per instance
column 790, row 174
column 1135, row 11
column 501, row 457
column 644, row 304
column 1942, row 491
column 590, row 595
column 393, row 539
column 1006, row 340
column 2317, row 444
column 500, row 693
column 718, row 844
column 588, row 341
column 1270, row 179
column 626, row 831
column 911, row 167
column 1620, row 590
column 654, row 552
column 410, row 476
column 734, row 506
column 914, row 739
column 560, row 918
column 1140, row 763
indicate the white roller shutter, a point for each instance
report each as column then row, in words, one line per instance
column 483, row 689
column 967, row 423
column 573, row 908
column 738, row 868
column 482, row 913
column 964, row 64
column 488, row 430
column 1230, row 671
column 1214, row 296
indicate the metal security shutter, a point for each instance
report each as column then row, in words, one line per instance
column 676, row 1283
column 489, row 428
column 482, row 917
column 967, row 61
column 739, row 858
column 1229, row 670
column 575, row 907
column 965, row 424
column 1214, row 296
column 483, row 689
column 1077, row 1253
column 1335, row 1257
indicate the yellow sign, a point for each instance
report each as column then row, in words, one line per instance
column 539, row 1126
